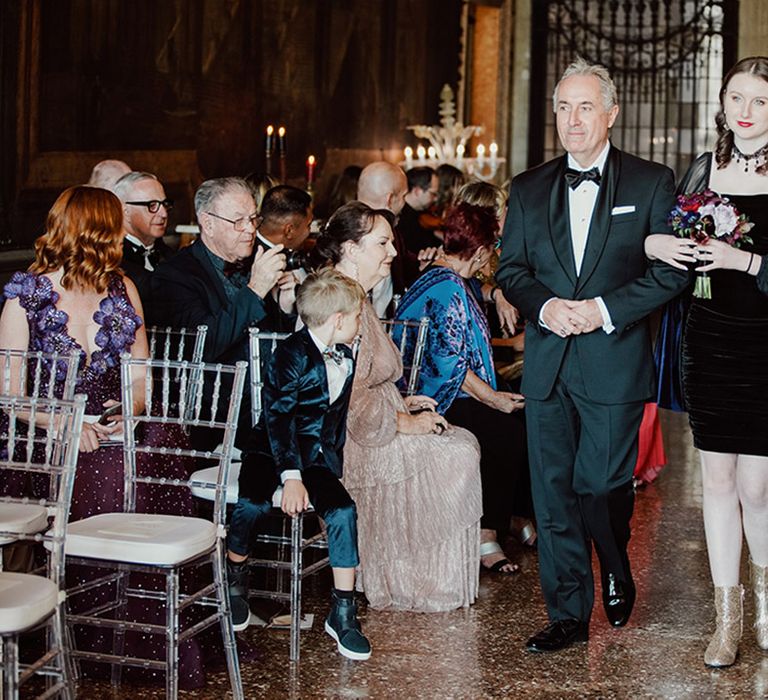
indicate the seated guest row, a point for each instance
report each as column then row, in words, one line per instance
column 412, row 489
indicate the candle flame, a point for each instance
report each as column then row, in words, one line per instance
column 270, row 130
column 281, row 131
column 311, row 160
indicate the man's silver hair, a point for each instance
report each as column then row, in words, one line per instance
column 582, row 67
column 211, row 190
column 124, row 186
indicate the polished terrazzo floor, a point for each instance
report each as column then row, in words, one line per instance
column 479, row 653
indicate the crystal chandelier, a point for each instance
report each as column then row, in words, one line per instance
column 448, row 144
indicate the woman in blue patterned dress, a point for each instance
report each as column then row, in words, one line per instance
column 75, row 298
column 458, row 371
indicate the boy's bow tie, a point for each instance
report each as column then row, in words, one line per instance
column 336, row 354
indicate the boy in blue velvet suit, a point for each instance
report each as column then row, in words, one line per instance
column 306, row 396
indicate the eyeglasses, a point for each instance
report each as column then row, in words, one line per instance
column 241, row 223
column 154, row 204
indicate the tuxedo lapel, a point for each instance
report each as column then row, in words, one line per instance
column 601, row 217
column 559, row 222
column 215, row 282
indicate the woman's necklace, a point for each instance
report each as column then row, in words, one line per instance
column 759, row 157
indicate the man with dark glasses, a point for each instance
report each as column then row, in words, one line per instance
column 145, row 218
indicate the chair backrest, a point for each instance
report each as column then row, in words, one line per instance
column 178, row 396
column 261, row 345
column 410, row 337
column 28, row 373
column 167, row 343
column 42, row 436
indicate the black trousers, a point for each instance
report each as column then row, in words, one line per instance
column 503, row 460
column 582, row 457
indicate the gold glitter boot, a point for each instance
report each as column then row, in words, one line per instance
column 729, row 605
column 759, row 576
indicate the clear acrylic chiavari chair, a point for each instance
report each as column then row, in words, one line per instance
column 176, row 397
column 40, row 437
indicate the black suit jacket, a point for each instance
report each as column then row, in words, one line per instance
column 304, row 428
column 133, row 266
column 188, row 292
column 537, row 264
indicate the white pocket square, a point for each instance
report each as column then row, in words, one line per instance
column 623, row 210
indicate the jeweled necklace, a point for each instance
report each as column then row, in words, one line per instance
column 761, row 154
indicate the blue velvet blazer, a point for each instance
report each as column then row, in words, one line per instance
column 304, row 428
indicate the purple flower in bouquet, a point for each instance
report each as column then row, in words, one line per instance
column 704, row 215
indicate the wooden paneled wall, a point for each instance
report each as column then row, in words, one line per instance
column 185, row 88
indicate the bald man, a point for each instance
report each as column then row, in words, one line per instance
column 383, row 185
column 107, row 172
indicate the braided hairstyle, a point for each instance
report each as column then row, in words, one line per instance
column 753, row 65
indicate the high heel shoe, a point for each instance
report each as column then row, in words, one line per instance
column 759, row 576
column 724, row 645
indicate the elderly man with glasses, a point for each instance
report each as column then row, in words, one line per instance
column 145, row 218
column 218, row 281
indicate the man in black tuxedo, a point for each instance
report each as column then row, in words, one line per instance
column 217, row 282
column 573, row 262
column 208, row 283
column 145, row 218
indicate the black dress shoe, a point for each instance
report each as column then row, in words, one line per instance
column 618, row 599
column 559, row 635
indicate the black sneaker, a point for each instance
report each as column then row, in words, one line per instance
column 237, row 578
column 343, row 626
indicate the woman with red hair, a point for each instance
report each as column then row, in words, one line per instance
column 75, row 298
column 458, row 371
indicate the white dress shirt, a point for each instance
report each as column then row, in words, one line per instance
column 336, row 376
column 581, row 206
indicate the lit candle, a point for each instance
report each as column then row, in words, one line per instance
column 310, row 171
column 460, row 151
column 408, row 151
column 270, row 145
column 494, row 149
column 421, row 152
column 281, row 140
column 480, row 154
column 432, row 153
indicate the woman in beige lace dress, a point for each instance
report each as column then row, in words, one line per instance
column 415, row 478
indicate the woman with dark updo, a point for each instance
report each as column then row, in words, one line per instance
column 414, row 477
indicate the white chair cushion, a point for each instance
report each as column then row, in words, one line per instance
column 22, row 518
column 210, row 475
column 140, row 538
column 25, row 601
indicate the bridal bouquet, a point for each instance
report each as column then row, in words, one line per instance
column 704, row 215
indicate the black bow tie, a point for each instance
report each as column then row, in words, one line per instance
column 241, row 265
column 151, row 254
column 575, row 177
column 337, row 353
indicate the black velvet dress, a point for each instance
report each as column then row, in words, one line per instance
column 725, row 352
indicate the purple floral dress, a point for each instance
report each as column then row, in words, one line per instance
column 99, row 478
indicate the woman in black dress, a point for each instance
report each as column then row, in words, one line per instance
column 725, row 356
